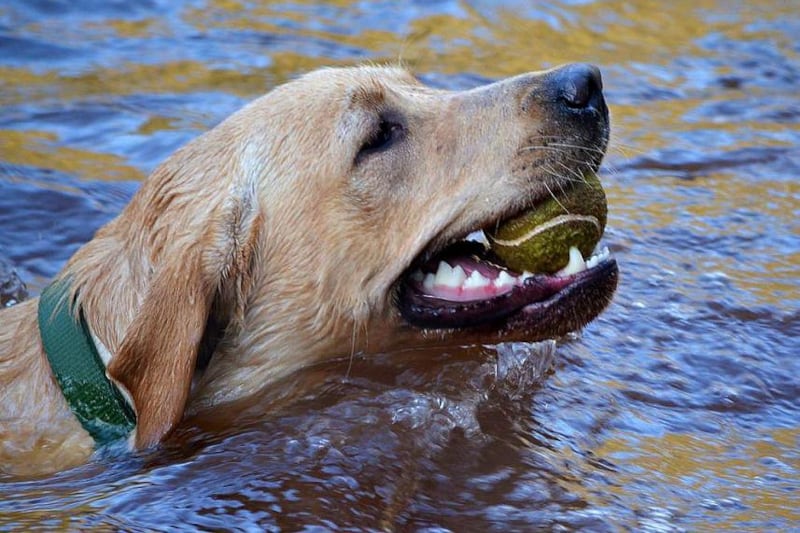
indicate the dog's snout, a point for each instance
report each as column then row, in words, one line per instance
column 579, row 86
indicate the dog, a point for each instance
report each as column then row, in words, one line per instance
column 298, row 230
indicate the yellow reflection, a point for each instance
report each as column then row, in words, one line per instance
column 36, row 149
column 714, row 468
column 131, row 28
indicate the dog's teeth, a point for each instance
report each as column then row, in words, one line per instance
column 459, row 275
column 444, row 270
column 429, row 282
column 576, row 263
column 448, row 276
column 504, row 280
column 603, row 254
column 478, row 236
column 476, row 280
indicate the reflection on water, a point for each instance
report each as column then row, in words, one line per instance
column 678, row 409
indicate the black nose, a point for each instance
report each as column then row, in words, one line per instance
column 580, row 86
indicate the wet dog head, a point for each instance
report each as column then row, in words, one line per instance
column 386, row 178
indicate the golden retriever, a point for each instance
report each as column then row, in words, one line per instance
column 299, row 229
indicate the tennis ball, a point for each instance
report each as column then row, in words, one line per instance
column 539, row 240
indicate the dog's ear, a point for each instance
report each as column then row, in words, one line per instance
column 156, row 360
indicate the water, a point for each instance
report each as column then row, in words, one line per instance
column 678, row 409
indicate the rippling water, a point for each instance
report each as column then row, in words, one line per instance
column 679, row 409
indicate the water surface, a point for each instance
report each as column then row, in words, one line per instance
column 678, row 409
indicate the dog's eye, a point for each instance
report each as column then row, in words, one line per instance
column 384, row 136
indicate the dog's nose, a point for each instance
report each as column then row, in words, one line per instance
column 579, row 86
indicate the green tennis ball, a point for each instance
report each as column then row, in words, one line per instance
column 539, row 240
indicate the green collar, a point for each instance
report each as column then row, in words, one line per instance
column 81, row 374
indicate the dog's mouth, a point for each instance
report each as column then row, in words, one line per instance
column 465, row 285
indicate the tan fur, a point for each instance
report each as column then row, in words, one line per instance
column 266, row 222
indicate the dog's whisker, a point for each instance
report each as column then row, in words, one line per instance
column 578, row 147
column 549, row 190
column 561, row 178
column 578, row 176
column 534, row 147
column 625, row 150
column 558, row 142
column 352, row 349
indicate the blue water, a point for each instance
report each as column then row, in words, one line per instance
column 678, row 409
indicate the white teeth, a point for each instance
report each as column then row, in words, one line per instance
column 504, row 280
column 459, row 275
column 600, row 256
column 476, row 280
column 443, row 272
column 478, row 236
column 448, row 276
column 576, row 263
